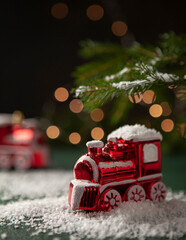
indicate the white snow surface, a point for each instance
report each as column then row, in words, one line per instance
column 136, row 133
column 47, row 210
column 33, row 184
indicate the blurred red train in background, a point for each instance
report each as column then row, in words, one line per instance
column 22, row 145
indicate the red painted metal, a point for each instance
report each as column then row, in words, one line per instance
column 120, row 171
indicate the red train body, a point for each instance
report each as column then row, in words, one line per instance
column 127, row 168
column 22, row 146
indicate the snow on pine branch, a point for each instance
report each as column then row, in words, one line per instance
column 120, row 73
column 81, row 89
column 150, row 75
column 154, row 75
column 126, row 85
column 157, row 76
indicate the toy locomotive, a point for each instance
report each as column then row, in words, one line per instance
column 22, row 146
column 127, row 168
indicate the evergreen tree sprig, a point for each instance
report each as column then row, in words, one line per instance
column 115, row 71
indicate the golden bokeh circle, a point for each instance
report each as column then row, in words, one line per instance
column 166, row 109
column 155, row 110
column 136, row 98
column 61, row 94
column 149, row 97
column 76, row 106
column 172, row 86
column 181, row 93
column 183, row 129
column 53, row 132
column 97, row 115
column 95, row 12
column 17, row 117
column 59, row 10
column 167, row 125
column 97, row 133
column 119, row 28
column 74, row 138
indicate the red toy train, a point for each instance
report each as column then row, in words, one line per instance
column 127, row 168
column 22, row 145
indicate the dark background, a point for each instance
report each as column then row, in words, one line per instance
column 39, row 52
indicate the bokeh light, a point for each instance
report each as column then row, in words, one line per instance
column 97, row 115
column 119, row 28
column 61, row 94
column 136, row 98
column 183, row 129
column 53, row 132
column 181, row 94
column 76, row 106
column 172, row 86
column 74, row 138
column 97, row 133
column 166, row 109
column 17, row 117
column 59, row 10
column 167, row 125
column 95, row 12
column 149, row 97
column 155, row 110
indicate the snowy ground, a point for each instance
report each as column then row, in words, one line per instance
column 39, row 199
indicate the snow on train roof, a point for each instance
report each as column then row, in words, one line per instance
column 136, row 132
column 6, row 119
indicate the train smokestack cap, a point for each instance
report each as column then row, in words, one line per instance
column 95, row 144
column 136, row 133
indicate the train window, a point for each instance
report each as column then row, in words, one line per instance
column 150, row 153
column 83, row 172
column 20, row 136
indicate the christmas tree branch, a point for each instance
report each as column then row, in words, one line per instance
column 116, row 71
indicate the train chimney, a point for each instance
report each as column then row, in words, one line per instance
column 95, row 147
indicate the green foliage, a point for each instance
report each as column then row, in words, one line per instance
column 153, row 66
column 112, row 73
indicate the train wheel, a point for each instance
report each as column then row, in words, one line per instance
column 136, row 193
column 158, row 192
column 109, row 199
column 5, row 162
column 22, row 162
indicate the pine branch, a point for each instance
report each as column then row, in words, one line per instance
column 116, row 71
